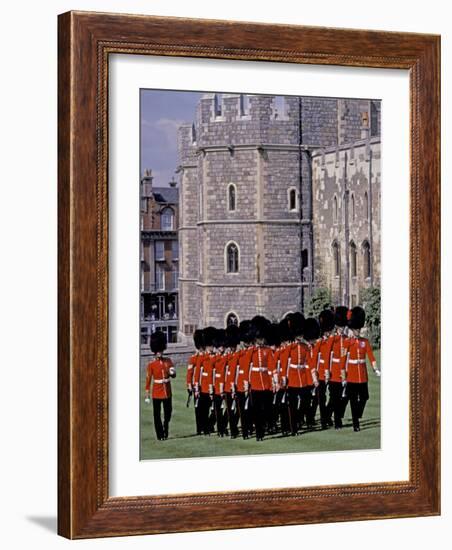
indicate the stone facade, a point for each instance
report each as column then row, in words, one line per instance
column 159, row 260
column 259, row 176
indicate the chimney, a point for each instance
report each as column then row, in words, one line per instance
column 146, row 183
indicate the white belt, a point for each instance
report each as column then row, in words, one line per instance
column 259, row 369
column 321, row 361
column 292, row 366
column 217, row 375
column 356, row 361
column 241, row 372
column 162, row 381
column 336, row 360
column 205, row 374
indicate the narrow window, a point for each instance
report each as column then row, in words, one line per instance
column 353, row 259
column 335, row 209
column 366, row 259
column 232, row 319
column 159, row 251
column 292, row 199
column 167, row 219
column 231, row 197
column 336, row 259
column 353, row 207
column 366, row 206
column 232, row 258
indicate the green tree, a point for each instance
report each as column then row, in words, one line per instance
column 319, row 300
column 371, row 300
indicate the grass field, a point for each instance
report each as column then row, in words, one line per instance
column 184, row 443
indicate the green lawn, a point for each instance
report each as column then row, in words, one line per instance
column 184, row 443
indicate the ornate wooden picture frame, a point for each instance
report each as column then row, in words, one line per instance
column 86, row 40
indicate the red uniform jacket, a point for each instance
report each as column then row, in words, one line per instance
column 312, row 357
column 355, row 364
column 284, row 355
column 219, row 373
column 274, row 366
column 339, row 353
column 231, row 371
column 259, row 374
column 325, row 345
column 206, row 374
column 296, row 370
column 197, row 370
column 191, row 368
column 158, row 371
column 243, row 371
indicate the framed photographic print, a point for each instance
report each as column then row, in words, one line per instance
column 248, row 275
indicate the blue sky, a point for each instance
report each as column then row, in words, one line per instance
column 162, row 111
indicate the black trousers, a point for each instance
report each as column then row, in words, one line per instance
column 233, row 414
column 282, row 400
column 161, row 429
column 337, row 403
column 245, row 412
column 300, row 407
column 220, row 415
column 262, row 409
column 320, row 396
column 204, row 406
column 197, row 416
column 358, row 394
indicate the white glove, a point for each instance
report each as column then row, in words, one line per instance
column 377, row 372
column 147, row 399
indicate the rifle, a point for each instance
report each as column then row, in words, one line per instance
column 189, row 398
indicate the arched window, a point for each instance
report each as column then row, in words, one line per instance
column 335, row 209
column 232, row 258
column 353, row 255
column 352, row 201
column 232, row 319
column 336, row 259
column 292, row 199
column 366, row 259
column 232, row 196
column 167, row 219
column 366, row 206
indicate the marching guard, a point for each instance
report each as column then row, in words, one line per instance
column 159, row 371
column 205, row 381
column 193, row 370
column 326, row 321
column 337, row 384
column 358, row 350
column 232, row 363
column 219, row 376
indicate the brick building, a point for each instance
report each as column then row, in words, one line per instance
column 159, row 259
column 280, row 195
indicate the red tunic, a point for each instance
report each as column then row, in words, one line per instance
column 325, row 345
column 231, row 371
column 197, row 370
column 243, row 370
column 339, row 353
column 206, row 374
column 190, row 369
column 219, row 373
column 296, row 371
column 284, row 355
column 355, row 364
column 312, row 357
column 259, row 376
column 158, row 371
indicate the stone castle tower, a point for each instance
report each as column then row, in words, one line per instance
column 266, row 185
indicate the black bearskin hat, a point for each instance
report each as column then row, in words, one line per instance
column 219, row 340
column 198, row 338
column 232, row 336
column 341, row 316
column 272, row 335
column 284, row 330
column 296, row 323
column 247, row 331
column 326, row 320
column 158, row 342
column 311, row 329
column 357, row 318
column 260, row 325
column 209, row 336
